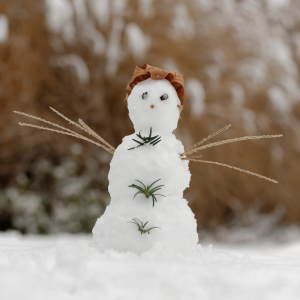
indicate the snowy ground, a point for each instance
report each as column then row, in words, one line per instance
column 68, row 267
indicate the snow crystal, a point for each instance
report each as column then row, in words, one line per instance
column 3, row 28
column 196, row 93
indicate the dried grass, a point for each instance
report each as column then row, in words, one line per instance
column 194, row 149
column 188, row 151
column 245, row 138
column 67, row 131
column 28, row 79
column 231, row 167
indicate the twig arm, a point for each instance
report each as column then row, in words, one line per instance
column 232, row 141
column 231, row 167
column 205, row 139
column 79, row 136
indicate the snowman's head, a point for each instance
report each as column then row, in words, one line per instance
column 155, row 99
column 154, row 103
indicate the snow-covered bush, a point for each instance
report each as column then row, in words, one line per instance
column 241, row 63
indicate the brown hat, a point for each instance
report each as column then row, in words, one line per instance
column 147, row 71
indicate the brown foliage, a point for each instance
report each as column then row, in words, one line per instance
column 31, row 80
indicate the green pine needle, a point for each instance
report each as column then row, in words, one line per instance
column 147, row 191
column 150, row 140
column 141, row 226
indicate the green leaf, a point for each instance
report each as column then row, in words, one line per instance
column 154, row 182
column 138, row 142
column 142, row 184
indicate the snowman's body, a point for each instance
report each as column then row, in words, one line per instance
column 147, row 164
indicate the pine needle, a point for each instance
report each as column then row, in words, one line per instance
column 79, row 136
column 232, row 141
column 231, row 167
column 95, row 135
column 205, row 139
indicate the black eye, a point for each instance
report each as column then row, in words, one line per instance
column 144, row 96
column 164, row 97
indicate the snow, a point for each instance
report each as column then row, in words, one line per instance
column 65, row 267
column 75, row 61
column 60, row 18
column 279, row 100
column 137, row 42
column 148, row 163
column 114, row 52
column 3, row 28
column 101, row 10
column 196, row 93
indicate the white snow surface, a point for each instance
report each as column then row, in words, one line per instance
column 65, row 267
column 177, row 225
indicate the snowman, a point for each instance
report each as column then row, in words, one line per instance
column 149, row 170
column 147, row 176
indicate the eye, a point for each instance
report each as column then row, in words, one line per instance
column 164, row 97
column 144, row 96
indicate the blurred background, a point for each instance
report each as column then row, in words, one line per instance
column 241, row 63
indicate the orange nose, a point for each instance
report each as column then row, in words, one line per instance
column 152, row 106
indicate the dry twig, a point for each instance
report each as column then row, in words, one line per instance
column 85, row 128
column 68, row 133
column 232, row 141
column 95, row 135
column 231, row 167
column 205, row 139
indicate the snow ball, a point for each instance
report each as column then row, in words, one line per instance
column 161, row 115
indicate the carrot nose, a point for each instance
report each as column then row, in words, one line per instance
column 152, row 106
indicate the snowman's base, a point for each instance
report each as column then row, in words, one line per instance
column 177, row 232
